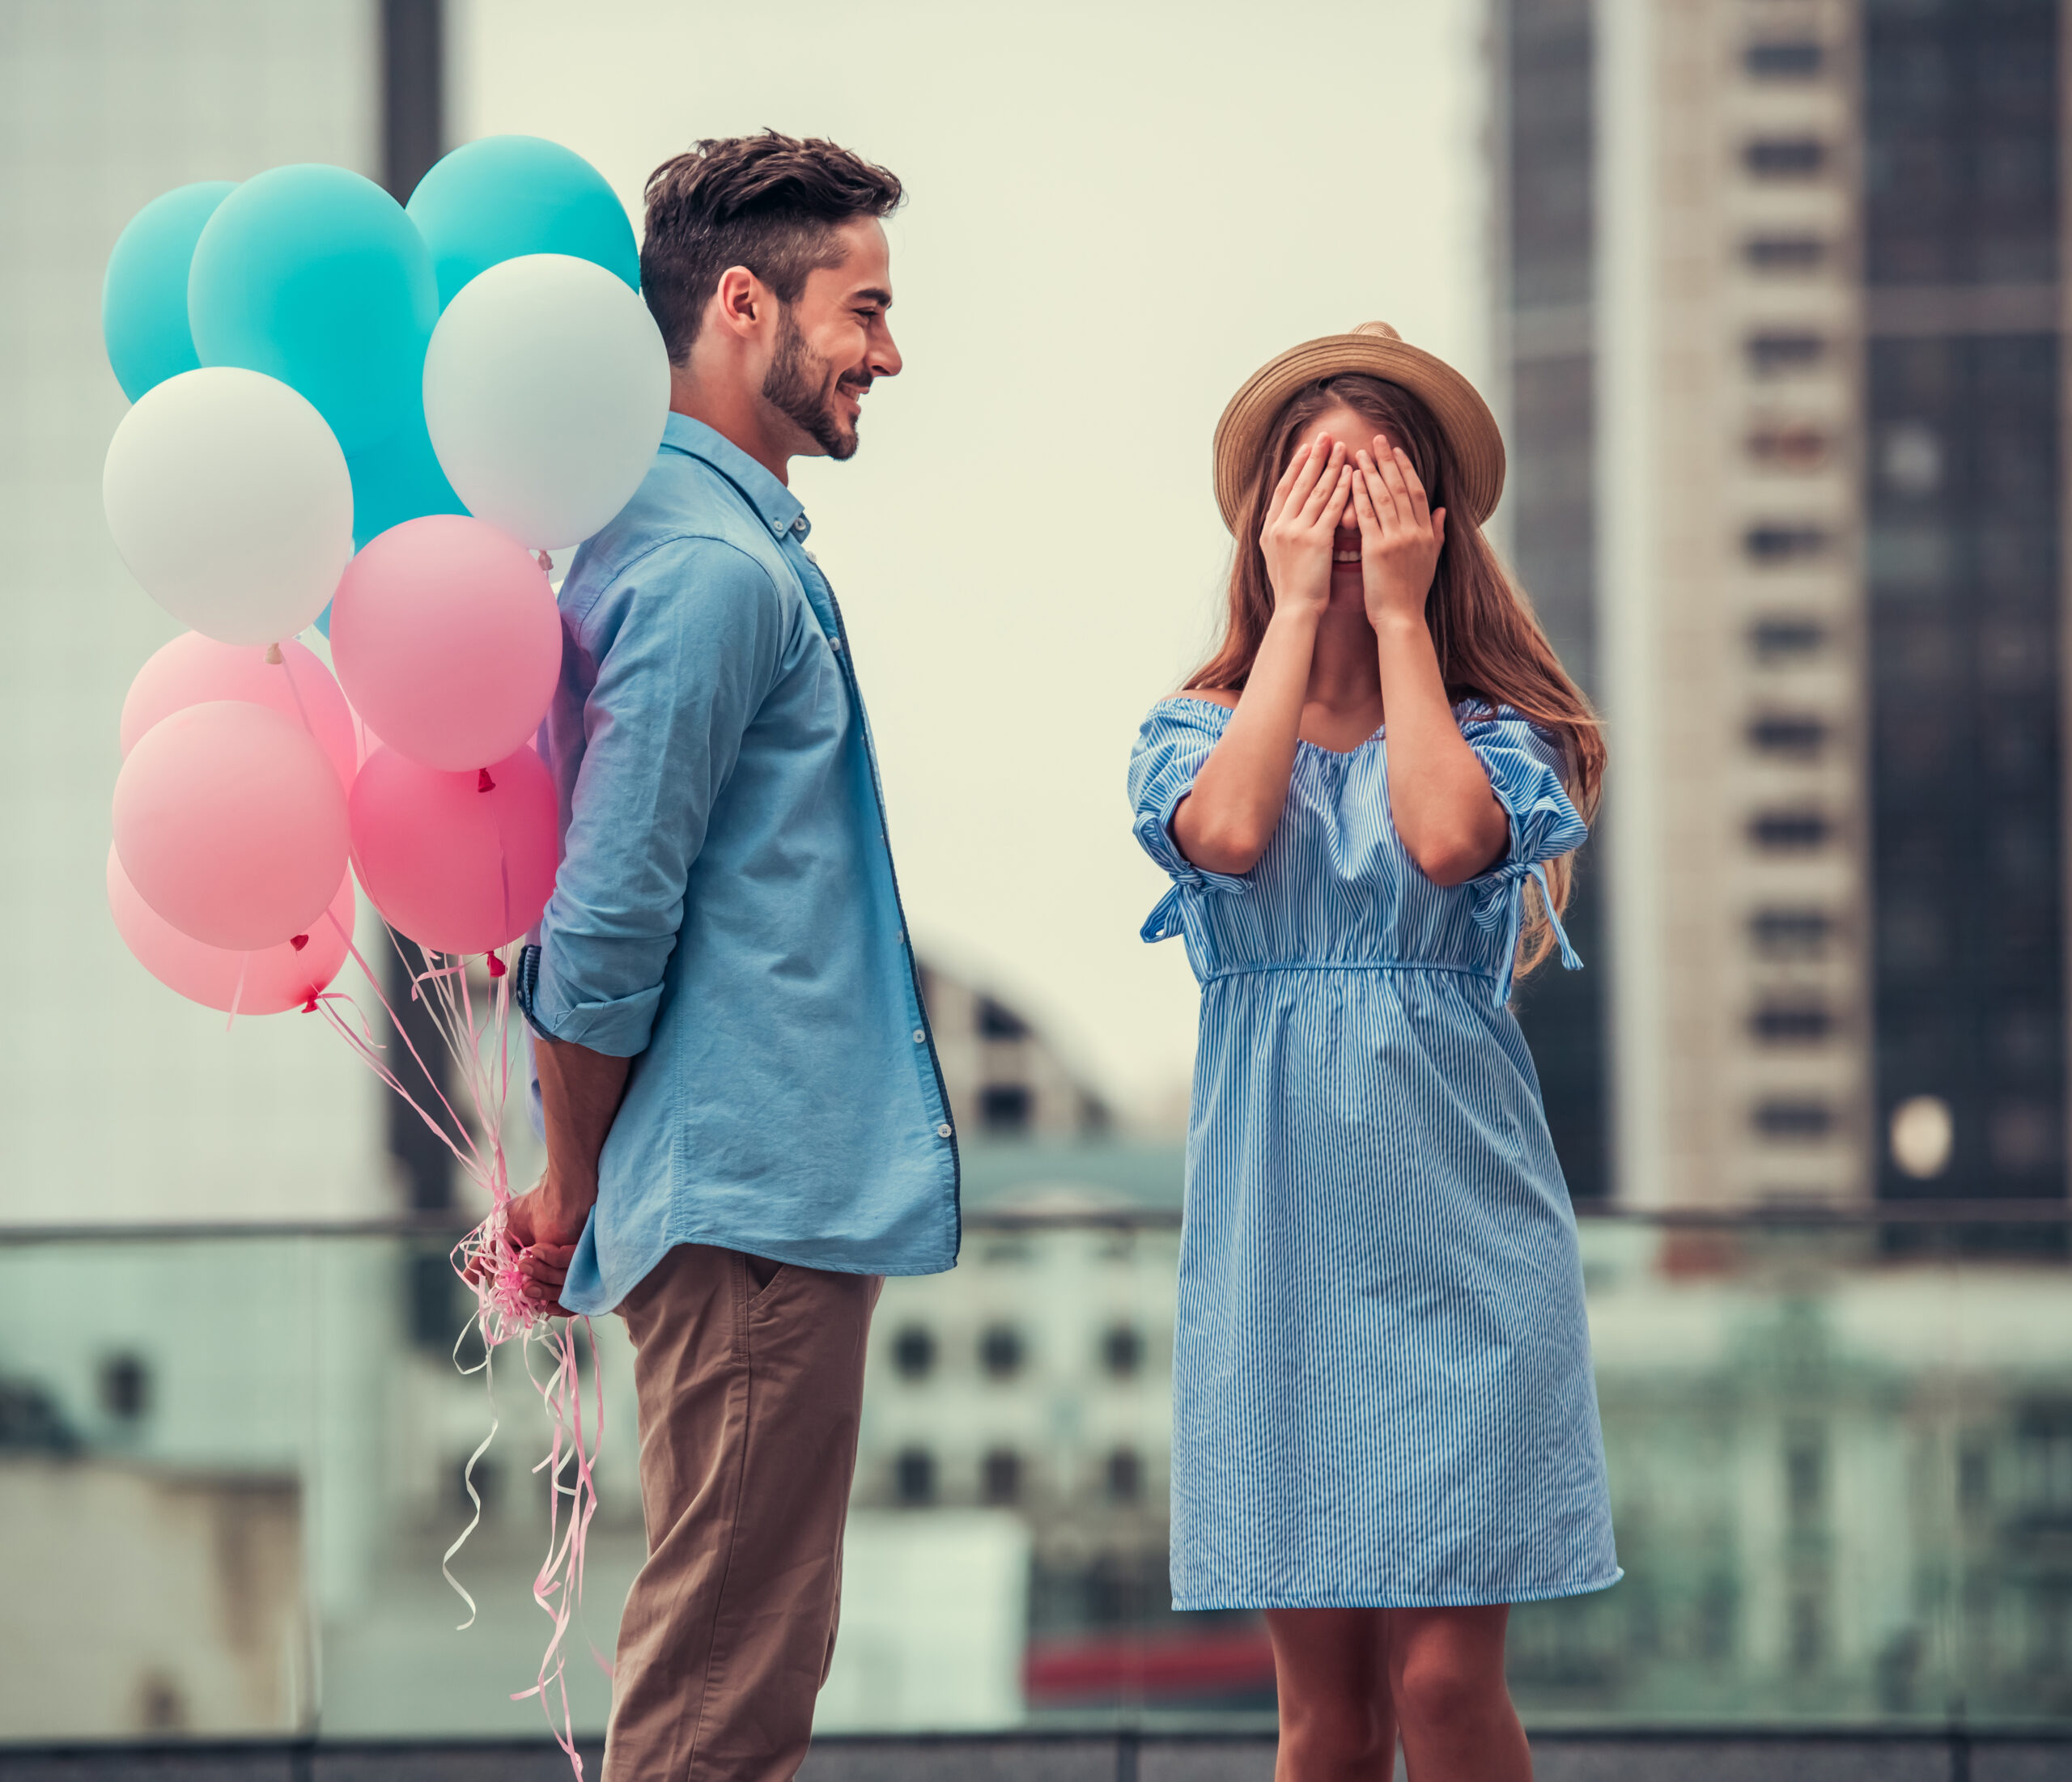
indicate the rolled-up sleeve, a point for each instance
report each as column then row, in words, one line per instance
column 687, row 640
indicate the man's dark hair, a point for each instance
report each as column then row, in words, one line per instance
column 771, row 203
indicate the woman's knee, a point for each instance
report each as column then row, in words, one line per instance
column 1442, row 1687
column 1334, row 1732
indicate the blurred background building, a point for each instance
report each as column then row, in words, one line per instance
column 1782, row 305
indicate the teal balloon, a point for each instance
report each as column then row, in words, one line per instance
column 398, row 479
column 504, row 195
column 314, row 275
column 143, row 300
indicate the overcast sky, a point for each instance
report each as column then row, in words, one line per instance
column 1116, row 212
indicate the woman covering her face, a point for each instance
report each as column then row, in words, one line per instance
column 1385, row 1425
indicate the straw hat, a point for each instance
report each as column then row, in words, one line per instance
column 1373, row 350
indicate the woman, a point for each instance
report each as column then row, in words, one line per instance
column 1385, row 1427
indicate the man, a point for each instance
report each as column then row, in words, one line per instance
column 745, row 1123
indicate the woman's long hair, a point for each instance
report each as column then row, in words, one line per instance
column 1490, row 646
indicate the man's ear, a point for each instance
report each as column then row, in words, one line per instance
column 741, row 303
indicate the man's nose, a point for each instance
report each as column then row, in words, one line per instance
column 884, row 360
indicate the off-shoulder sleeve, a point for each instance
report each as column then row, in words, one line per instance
column 1171, row 746
column 1524, row 765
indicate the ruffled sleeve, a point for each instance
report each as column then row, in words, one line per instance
column 1524, row 764
column 1173, row 742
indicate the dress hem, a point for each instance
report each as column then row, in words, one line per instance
column 1358, row 1600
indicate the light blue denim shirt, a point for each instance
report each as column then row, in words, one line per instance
column 725, row 913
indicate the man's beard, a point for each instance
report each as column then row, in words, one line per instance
column 802, row 389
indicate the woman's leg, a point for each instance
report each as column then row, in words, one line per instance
column 1329, row 1666
column 1445, row 1678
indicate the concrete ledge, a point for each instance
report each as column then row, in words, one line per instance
column 1731, row 1755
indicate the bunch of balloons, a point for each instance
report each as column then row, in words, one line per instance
column 374, row 421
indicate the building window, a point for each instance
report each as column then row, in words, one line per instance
column 1800, row 736
column 1125, row 1476
column 1790, row 445
column 1776, row 544
column 997, row 1021
column 1000, row 1477
column 914, row 1352
column 1789, row 1118
column 1775, row 642
column 1000, row 1352
column 1122, row 1351
column 1778, row 352
column 1791, row 934
column 1790, row 832
column 1785, row 58
column 125, row 1387
column 1786, row 253
column 1784, row 157
column 914, row 1476
column 1922, row 1136
column 1800, row 1022
column 1005, row 1107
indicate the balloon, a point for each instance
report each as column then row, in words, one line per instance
column 398, row 479
column 314, row 275
column 230, row 503
column 261, row 982
column 143, row 300
column 461, row 863
column 504, row 195
column 231, row 825
column 545, row 390
column 447, row 640
column 193, row 669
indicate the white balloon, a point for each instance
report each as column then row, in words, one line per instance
column 231, row 502
column 546, row 391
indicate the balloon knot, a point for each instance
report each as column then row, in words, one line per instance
column 309, row 1008
column 497, row 968
column 545, row 562
column 273, row 656
column 298, row 941
column 483, row 783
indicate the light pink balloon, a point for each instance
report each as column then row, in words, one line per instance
column 193, row 669
column 458, row 866
column 274, row 978
column 231, row 825
column 446, row 636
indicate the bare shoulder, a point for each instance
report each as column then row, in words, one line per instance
column 1225, row 697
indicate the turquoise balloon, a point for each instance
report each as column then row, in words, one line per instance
column 504, row 195
column 398, row 479
column 314, row 275
column 143, row 301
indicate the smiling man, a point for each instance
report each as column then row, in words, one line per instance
column 746, row 1125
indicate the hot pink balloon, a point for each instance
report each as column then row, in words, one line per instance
column 461, row 863
column 193, row 669
column 446, row 636
column 265, row 982
column 231, row 825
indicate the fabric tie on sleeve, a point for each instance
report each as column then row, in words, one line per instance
column 1164, row 921
column 1500, row 903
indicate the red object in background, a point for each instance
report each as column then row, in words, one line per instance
column 1060, row 1673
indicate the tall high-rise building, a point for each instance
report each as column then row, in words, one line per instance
column 1782, row 305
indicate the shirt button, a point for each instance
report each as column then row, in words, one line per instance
column 798, row 525
column 920, row 1034
column 942, row 1132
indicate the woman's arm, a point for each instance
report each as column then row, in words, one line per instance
column 1224, row 824
column 1439, row 793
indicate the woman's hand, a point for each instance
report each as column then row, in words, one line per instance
column 1400, row 535
column 1300, row 522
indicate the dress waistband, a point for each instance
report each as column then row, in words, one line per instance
column 1351, row 964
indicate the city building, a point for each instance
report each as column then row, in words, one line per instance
column 1780, row 306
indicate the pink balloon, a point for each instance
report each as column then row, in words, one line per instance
column 273, row 978
column 449, row 641
column 231, row 825
column 193, row 669
column 459, row 865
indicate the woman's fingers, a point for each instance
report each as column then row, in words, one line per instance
column 1363, row 509
column 1399, row 490
column 1334, row 509
column 1306, row 479
column 1420, row 510
column 1379, row 492
column 1439, row 525
column 1280, row 490
column 1326, row 487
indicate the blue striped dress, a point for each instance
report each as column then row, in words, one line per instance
column 1382, row 1393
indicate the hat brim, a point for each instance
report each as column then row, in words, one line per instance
column 1462, row 415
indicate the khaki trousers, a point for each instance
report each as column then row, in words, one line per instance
column 750, row 1383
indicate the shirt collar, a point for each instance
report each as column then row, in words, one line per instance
column 779, row 510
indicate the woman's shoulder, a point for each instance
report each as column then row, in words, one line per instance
column 1195, row 705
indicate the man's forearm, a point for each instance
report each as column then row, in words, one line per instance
column 580, row 1091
